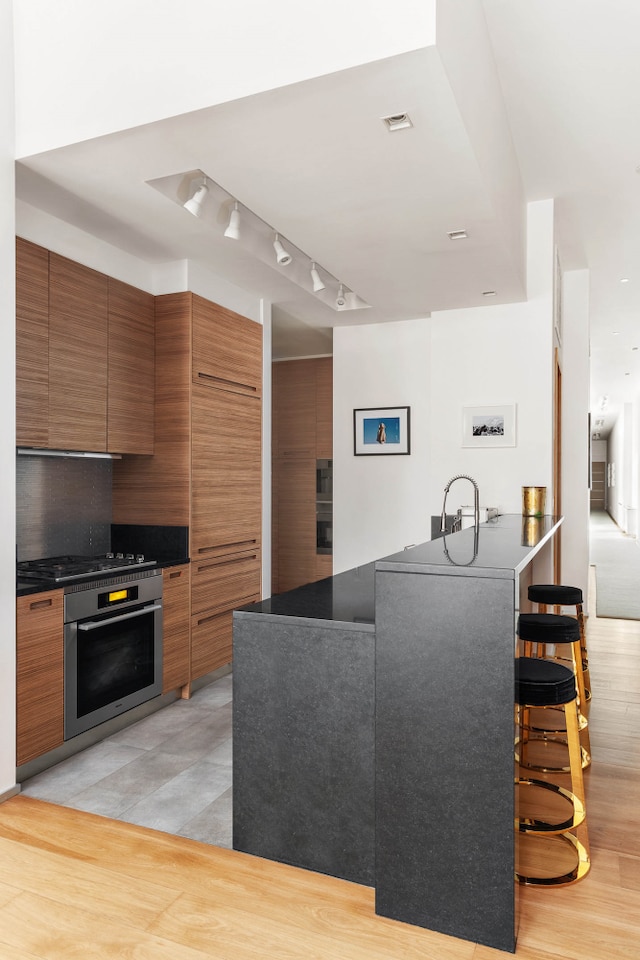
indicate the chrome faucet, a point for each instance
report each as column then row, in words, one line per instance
column 476, row 504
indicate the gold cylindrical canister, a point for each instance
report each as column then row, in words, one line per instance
column 533, row 501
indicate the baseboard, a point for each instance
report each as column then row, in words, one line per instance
column 10, row 793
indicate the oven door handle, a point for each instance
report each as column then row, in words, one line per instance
column 94, row 624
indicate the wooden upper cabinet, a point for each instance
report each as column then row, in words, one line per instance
column 324, row 408
column 78, row 345
column 227, row 349
column 131, row 355
column 32, row 344
column 294, row 400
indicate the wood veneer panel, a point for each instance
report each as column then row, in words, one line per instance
column 211, row 642
column 131, row 369
column 156, row 489
column 324, row 407
column 222, row 583
column 32, row 344
column 295, row 400
column 39, row 674
column 77, row 356
column 226, row 504
column 227, row 348
column 296, row 523
column 176, row 593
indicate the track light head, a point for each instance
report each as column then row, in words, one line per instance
column 340, row 299
column 194, row 204
column 282, row 256
column 233, row 228
column 318, row 285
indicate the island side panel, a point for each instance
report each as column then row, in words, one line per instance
column 444, row 754
column 303, row 744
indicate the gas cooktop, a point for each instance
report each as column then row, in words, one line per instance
column 62, row 569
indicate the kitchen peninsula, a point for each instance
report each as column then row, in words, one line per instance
column 373, row 726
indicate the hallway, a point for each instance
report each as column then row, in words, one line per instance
column 616, row 557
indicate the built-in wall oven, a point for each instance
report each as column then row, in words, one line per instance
column 112, row 648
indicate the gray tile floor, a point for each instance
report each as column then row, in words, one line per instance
column 170, row 771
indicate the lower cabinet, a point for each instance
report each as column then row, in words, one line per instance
column 229, row 577
column 39, row 674
column 176, row 590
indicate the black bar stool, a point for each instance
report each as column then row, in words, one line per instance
column 558, row 595
column 543, row 629
column 545, row 683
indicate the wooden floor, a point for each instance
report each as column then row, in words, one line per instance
column 74, row 886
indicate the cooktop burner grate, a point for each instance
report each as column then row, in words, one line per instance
column 62, row 569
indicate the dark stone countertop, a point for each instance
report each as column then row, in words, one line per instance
column 346, row 598
column 502, row 549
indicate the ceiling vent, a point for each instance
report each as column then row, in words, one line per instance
column 397, row 121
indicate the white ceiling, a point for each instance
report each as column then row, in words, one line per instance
column 315, row 161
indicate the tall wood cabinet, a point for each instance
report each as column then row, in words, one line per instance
column 84, row 357
column 302, row 428
column 206, row 469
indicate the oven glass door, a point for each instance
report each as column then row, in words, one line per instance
column 112, row 663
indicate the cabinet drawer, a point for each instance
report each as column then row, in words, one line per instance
column 211, row 643
column 221, row 583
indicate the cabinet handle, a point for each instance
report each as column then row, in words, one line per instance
column 229, row 383
column 240, row 602
column 237, row 545
column 37, row 604
column 226, row 562
column 176, row 573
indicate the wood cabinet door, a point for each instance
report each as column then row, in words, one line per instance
column 227, row 349
column 78, row 344
column 294, row 400
column 39, row 674
column 324, row 408
column 211, row 642
column 176, row 616
column 296, row 523
column 131, row 387
column 226, row 471
column 32, row 344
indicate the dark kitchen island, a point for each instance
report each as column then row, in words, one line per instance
column 373, row 726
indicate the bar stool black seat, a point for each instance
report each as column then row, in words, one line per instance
column 560, row 595
column 545, row 683
column 540, row 629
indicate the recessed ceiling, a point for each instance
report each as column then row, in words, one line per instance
column 314, row 161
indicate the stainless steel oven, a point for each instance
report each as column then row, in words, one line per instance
column 112, row 648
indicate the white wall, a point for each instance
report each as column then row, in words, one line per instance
column 7, row 400
column 498, row 355
column 615, row 453
column 482, row 356
column 575, row 430
column 380, row 502
column 114, row 67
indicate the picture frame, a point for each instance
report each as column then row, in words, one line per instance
column 381, row 431
column 489, row 426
